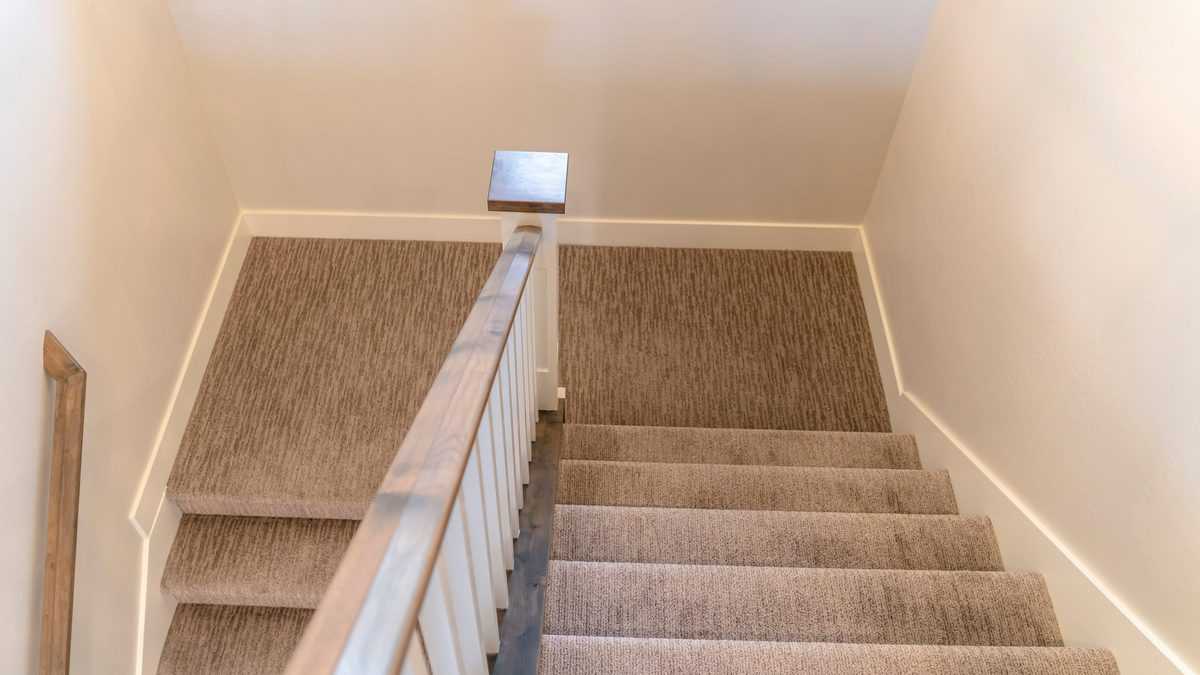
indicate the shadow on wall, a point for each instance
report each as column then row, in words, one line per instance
column 759, row 111
column 119, row 208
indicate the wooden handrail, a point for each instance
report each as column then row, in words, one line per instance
column 368, row 615
column 62, row 520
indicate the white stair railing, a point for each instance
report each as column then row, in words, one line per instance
column 458, row 622
column 420, row 585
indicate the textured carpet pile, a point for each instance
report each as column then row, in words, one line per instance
column 730, row 499
column 728, row 503
column 717, row 338
column 742, row 552
column 325, row 353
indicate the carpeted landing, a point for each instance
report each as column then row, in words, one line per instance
column 324, row 355
column 744, row 552
column 717, row 338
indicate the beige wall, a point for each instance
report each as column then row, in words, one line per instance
column 753, row 110
column 114, row 212
column 1035, row 231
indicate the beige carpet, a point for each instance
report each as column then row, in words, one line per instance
column 325, row 353
column 720, row 508
column 717, row 338
column 667, row 559
column 774, row 538
column 625, row 656
column 849, row 450
column 224, row 640
column 677, row 550
column 776, row 488
column 268, row 562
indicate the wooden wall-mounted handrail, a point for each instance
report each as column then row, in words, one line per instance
column 63, row 515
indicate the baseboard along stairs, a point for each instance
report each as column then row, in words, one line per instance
column 730, row 497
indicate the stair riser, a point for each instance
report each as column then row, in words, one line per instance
column 752, row 487
column 740, row 446
column 774, row 538
column 263, row 562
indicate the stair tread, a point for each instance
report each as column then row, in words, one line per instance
column 845, row 449
column 226, row 640
column 775, row 488
column 269, row 562
column 799, row 604
column 324, row 355
column 773, row 538
column 574, row 655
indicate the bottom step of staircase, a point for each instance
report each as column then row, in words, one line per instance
column 570, row 655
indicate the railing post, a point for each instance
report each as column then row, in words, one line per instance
column 530, row 188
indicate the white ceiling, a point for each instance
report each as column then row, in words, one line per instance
column 773, row 110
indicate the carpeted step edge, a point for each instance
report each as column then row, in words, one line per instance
column 799, row 605
column 268, row 562
column 227, row 504
column 575, row 655
column 773, row 538
column 698, row 445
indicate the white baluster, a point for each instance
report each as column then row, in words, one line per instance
column 526, row 368
column 415, row 660
column 495, row 499
column 479, row 551
column 504, row 458
column 461, row 586
column 531, row 348
column 438, row 628
column 497, row 487
column 517, row 362
column 522, row 447
column 510, row 432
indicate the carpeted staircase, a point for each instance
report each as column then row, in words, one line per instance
column 723, row 540
column 744, row 552
column 681, row 548
column 325, row 353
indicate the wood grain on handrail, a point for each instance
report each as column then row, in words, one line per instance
column 63, row 515
column 368, row 614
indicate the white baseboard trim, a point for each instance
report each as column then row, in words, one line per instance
column 369, row 225
column 700, row 234
column 151, row 515
column 1089, row 611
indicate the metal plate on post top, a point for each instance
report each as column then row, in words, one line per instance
column 528, row 182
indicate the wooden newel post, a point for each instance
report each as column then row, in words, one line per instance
column 530, row 188
column 63, row 514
